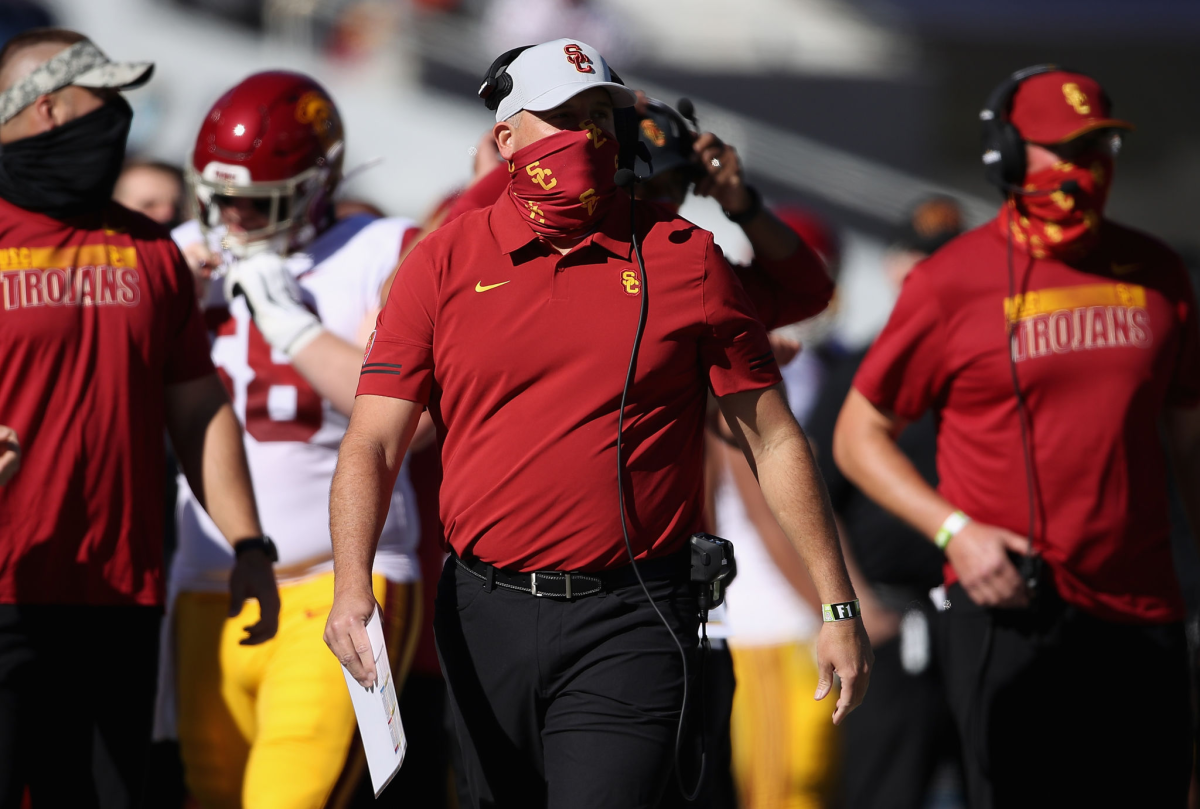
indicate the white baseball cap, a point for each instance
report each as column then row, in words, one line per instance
column 546, row 75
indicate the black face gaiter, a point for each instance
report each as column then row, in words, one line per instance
column 71, row 169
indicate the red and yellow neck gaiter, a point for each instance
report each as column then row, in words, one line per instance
column 1055, row 223
column 563, row 184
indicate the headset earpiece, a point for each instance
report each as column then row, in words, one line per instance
column 497, row 84
column 1003, row 146
column 625, row 125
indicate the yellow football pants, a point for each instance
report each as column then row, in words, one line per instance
column 271, row 726
column 784, row 742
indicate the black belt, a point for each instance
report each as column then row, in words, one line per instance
column 572, row 584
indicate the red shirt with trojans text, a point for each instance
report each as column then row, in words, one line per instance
column 521, row 354
column 97, row 317
column 1100, row 349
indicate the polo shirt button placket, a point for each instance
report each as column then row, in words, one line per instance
column 559, row 292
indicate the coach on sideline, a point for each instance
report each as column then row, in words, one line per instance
column 1050, row 343
column 514, row 324
column 103, row 347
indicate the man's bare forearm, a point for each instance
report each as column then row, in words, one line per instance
column 207, row 439
column 792, row 487
column 369, row 459
column 358, row 506
column 331, row 365
column 865, row 450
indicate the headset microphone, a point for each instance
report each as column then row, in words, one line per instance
column 625, row 178
column 1068, row 187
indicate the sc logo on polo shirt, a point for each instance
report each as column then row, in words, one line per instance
column 631, row 282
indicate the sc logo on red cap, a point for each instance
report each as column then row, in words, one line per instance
column 577, row 57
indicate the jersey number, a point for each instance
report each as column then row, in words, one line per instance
column 267, row 375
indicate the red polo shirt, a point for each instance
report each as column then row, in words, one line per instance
column 521, row 354
column 1100, row 349
column 97, row 317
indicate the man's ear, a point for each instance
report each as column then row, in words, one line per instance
column 505, row 134
column 42, row 111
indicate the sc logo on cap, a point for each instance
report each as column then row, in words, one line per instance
column 577, row 57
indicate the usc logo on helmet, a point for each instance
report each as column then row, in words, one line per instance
column 629, row 280
column 577, row 57
column 652, row 131
column 315, row 109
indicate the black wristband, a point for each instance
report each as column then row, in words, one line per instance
column 263, row 543
column 754, row 209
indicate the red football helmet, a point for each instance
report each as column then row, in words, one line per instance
column 275, row 140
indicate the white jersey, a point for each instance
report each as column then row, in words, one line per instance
column 292, row 435
column 761, row 608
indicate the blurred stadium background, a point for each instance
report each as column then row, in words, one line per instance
column 856, row 108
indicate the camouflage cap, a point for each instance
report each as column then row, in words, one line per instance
column 82, row 64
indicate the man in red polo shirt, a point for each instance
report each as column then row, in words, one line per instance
column 1049, row 342
column 514, row 324
column 103, row 349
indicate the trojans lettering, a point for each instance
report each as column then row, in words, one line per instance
column 70, row 286
column 1082, row 318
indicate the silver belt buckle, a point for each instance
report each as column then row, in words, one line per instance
column 533, row 583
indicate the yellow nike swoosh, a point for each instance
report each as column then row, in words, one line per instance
column 479, row 287
column 1123, row 269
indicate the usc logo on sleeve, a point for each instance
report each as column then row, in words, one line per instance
column 577, row 57
column 631, row 282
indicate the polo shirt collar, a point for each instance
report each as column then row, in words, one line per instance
column 512, row 232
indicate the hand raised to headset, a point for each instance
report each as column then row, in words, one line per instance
column 979, row 554
column 724, row 181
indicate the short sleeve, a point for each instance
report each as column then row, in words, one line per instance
column 1185, row 379
column 734, row 350
column 188, row 354
column 787, row 290
column 399, row 357
column 903, row 373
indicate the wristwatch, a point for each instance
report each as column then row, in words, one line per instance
column 753, row 210
column 263, row 543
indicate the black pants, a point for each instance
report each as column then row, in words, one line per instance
column 564, row 704
column 76, row 704
column 713, row 711
column 894, row 741
column 1058, row 708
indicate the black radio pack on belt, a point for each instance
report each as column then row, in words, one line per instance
column 713, row 568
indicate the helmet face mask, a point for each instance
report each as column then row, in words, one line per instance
column 286, row 210
column 266, row 163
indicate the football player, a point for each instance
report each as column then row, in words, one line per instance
column 290, row 296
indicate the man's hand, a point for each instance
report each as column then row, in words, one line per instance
column 843, row 648
column 724, row 181
column 978, row 554
column 253, row 577
column 346, row 632
column 202, row 262
column 275, row 303
column 10, row 454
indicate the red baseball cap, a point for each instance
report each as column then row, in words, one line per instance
column 1057, row 106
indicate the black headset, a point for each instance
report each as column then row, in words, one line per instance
column 1003, row 146
column 497, row 85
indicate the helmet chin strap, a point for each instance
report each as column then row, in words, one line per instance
column 242, row 249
